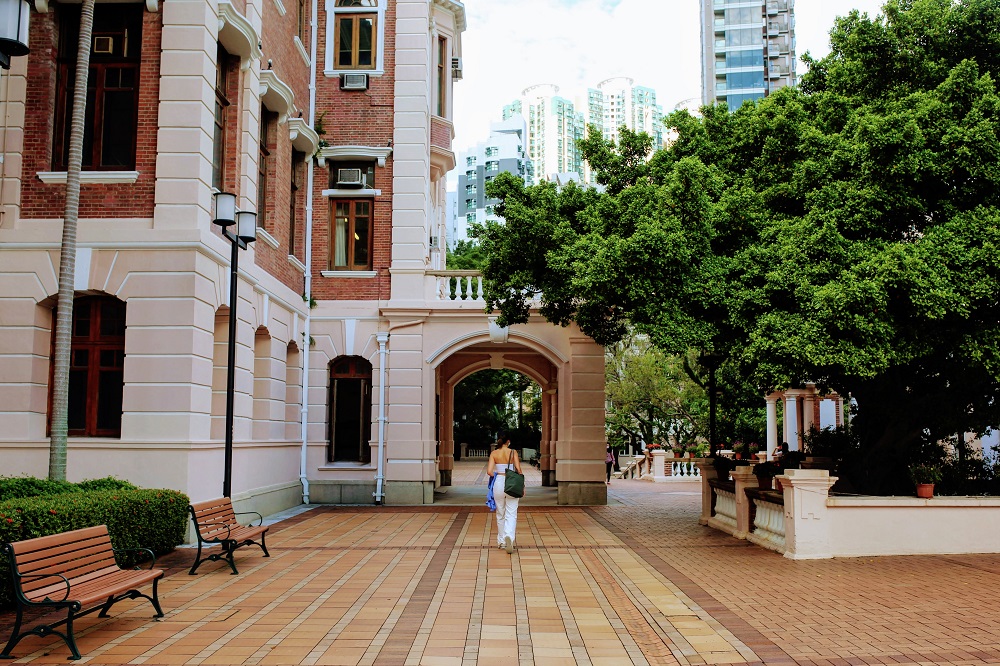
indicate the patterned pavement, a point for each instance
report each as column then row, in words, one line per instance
column 635, row 582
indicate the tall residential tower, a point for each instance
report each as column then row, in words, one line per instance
column 748, row 49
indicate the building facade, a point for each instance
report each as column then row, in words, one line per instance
column 555, row 124
column 332, row 122
column 748, row 49
column 506, row 150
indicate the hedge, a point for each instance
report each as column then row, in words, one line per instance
column 28, row 486
column 136, row 518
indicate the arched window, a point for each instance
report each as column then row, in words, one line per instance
column 350, row 424
column 97, row 364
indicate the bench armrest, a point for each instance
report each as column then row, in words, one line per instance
column 20, row 576
column 260, row 518
column 152, row 555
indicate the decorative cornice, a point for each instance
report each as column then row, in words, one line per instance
column 348, row 274
column 456, row 8
column 276, row 95
column 303, row 137
column 90, row 177
column 268, row 239
column 348, row 193
column 237, row 34
column 334, row 153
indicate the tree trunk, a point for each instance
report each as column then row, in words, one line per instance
column 67, row 258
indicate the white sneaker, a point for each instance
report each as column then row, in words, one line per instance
column 508, row 545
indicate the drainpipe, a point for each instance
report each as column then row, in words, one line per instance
column 383, row 338
column 306, row 339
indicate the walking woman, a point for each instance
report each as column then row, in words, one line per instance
column 502, row 459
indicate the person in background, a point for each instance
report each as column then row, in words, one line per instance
column 609, row 462
column 502, row 459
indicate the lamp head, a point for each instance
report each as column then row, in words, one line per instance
column 246, row 226
column 225, row 209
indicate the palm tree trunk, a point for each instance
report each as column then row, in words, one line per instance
column 67, row 258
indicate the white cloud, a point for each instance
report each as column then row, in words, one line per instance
column 575, row 44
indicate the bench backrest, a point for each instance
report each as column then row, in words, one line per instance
column 75, row 554
column 213, row 518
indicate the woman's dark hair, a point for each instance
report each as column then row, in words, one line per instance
column 502, row 437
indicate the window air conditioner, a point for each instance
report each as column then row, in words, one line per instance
column 350, row 178
column 456, row 68
column 354, row 81
column 434, row 242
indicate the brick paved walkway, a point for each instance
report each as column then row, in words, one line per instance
column 636, row 582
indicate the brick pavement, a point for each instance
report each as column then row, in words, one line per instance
column 636, row 582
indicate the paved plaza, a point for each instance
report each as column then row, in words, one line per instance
column 635, row 582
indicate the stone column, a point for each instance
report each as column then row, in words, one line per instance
column 772, row 424
column 708, row 473
column 791, row 421
column 807, row 523
column 446, row 457
column 809, row 408
column 744, row 478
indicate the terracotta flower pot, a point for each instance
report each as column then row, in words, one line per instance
column 925, row 490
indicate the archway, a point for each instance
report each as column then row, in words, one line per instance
column 479, row 356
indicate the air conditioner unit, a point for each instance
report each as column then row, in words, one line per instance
column 434, row 242
column 354, row 81
column 456, row 68
column 350, row 178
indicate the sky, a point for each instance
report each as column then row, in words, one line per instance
column 575, row 44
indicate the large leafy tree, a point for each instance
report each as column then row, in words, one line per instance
column 844, row 232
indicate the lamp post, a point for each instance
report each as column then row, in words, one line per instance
column 226, row 216
column 14, row 16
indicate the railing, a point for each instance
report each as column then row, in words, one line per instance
column 629, row 469
column 724, row 503
column 684, row 468
column 767, row 519
column 457, row 285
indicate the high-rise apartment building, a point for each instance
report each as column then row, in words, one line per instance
column 554, row 127
column 504, row 150
column 624, row 104
column 555, row 124
column 748, row 49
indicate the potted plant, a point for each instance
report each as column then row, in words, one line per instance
column 765, row 472
column 723, row 466
column 924, row 477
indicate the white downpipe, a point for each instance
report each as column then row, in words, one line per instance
column 307, row 287
column 383, row 338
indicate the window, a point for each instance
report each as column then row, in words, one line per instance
column 112, row 87
column 303, row 22
column 97, row 363
column 352, row 237
column 356, row 34
column 268, row 120
column 442, row 77
column 223, row 76
column 350, row 424
column 298, row 159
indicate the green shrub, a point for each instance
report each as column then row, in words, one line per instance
column 136, row 518
column 107, row 483
column 27, row 486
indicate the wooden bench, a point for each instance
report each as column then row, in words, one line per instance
column 73, row 570
column 216, row 524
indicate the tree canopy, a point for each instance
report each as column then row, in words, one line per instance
column 845, row 232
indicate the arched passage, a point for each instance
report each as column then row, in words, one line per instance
column 477, row 356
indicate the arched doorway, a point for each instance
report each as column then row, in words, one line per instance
column 349, row 425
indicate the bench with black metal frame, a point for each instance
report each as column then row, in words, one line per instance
column 72, row 570
column 215, row 524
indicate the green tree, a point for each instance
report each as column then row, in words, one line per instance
column 467, row 255
column 845, row 232
column 651, row 395
column 67, row 260
column 492, row 400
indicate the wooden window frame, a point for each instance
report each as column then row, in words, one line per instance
column 220, row 142
column 266, row 211
column 351, row 205
column 98, row 88
column 355, row 20
column 442, row 77
column 91, row 345
column 298, row 160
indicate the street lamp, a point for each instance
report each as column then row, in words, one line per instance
column 14, row 18
column 227, row 216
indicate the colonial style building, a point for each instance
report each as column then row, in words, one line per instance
column 332, row 122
